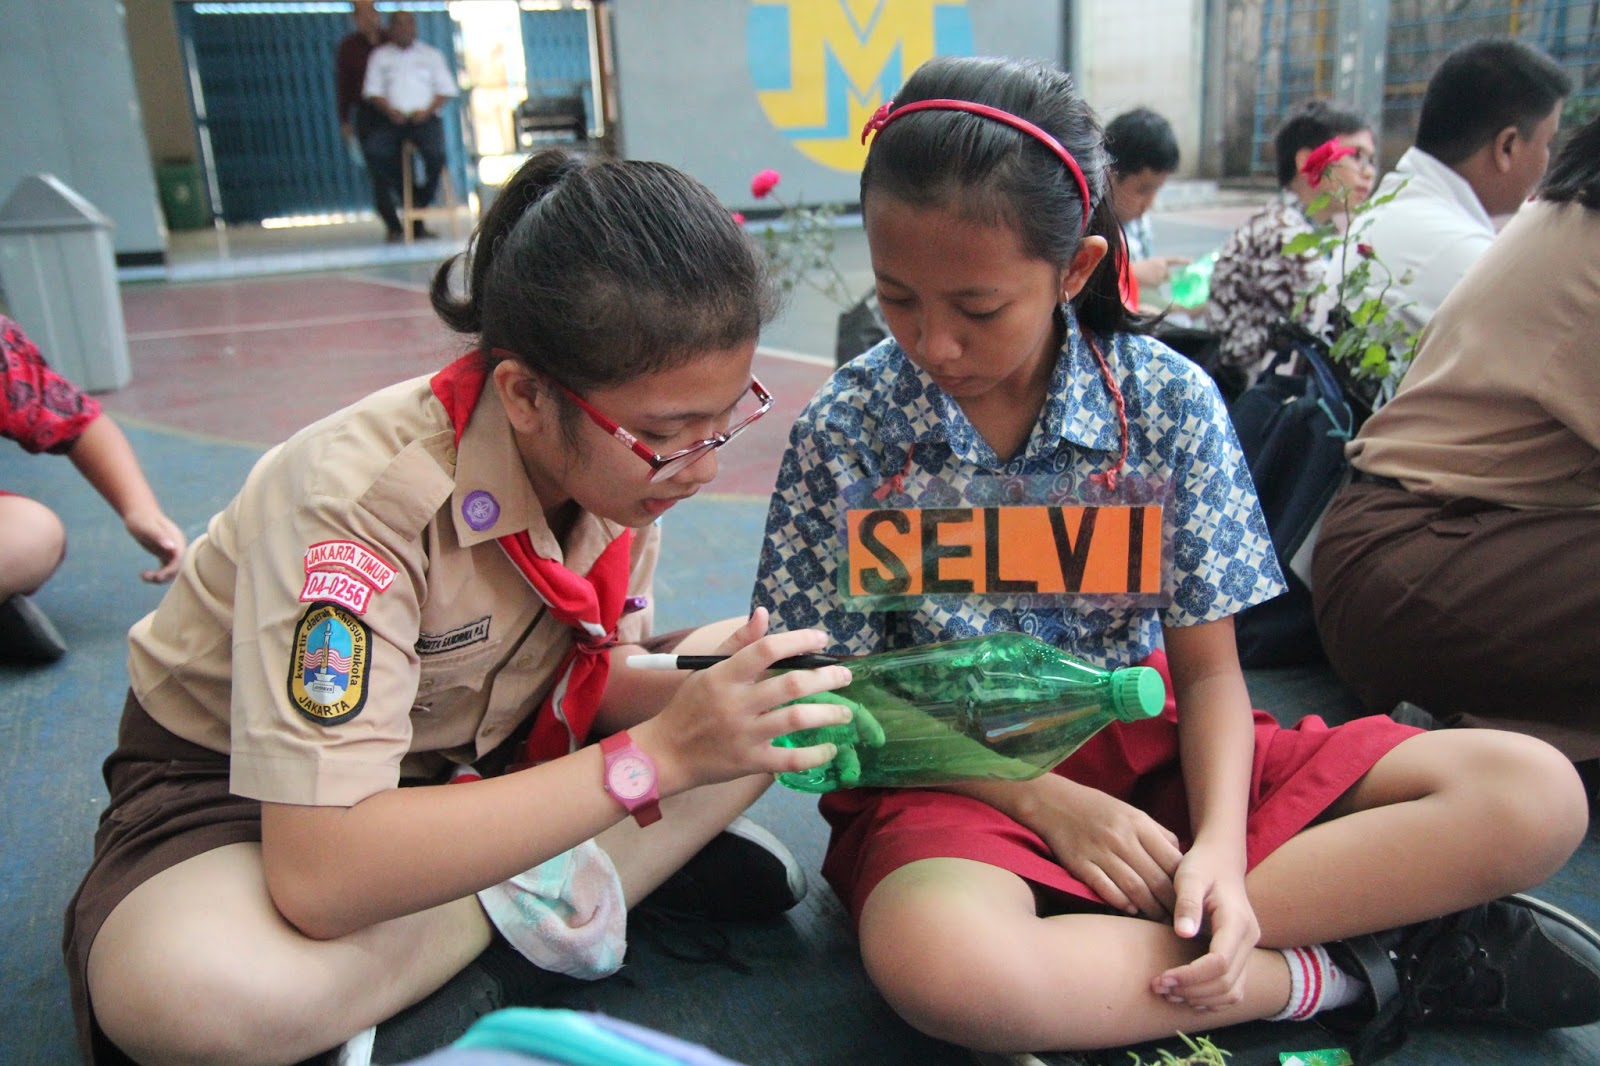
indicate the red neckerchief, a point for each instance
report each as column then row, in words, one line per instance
column 590, row 604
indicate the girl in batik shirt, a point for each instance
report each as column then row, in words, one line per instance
column 1191, row 871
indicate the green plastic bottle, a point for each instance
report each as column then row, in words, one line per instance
column 1005, row 705
column 1191, row 285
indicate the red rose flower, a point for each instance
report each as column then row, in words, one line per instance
column 1365, row 251
column 1321, row 158
column 763, row 183
column 738, row 217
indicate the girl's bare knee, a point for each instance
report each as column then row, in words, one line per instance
column 933, row 987
column 1522, row 796
column 945, row 968
column 1545, row 811
column 202, row 1010
column 32, row 544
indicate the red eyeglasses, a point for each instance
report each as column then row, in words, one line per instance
column 664, row 466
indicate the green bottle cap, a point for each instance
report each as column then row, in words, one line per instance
column 1137, row 692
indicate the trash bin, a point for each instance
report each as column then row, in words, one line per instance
column 60, row 280
column 183, row 195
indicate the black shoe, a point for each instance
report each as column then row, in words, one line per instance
column 1408, row 713
column 500, row 977
column 1516, row 961
column 26, row 635
column 743, row 874
column 419, row 232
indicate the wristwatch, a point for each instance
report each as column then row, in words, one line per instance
column 630, row 777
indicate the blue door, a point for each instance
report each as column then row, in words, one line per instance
column 261, row 79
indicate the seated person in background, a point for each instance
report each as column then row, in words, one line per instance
column 1255, row 285
column 44, row 412
column 1458, row 571
column 1144, row 154
column 408, row 83
column 1483, row 141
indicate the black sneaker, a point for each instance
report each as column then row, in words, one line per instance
column 1516, row 961
column 743, row 874
column 26, row 635
column 500, row 977
column 1408, row 713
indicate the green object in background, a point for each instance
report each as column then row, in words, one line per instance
column 183, row 195
column 1006, row 706
column 1191, row 285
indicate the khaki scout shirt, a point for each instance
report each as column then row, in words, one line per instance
column 342, row 622
column 1503, row 401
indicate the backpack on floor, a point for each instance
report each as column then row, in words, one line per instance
column 1293, row 429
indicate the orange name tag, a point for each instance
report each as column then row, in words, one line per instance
column 1005, row 551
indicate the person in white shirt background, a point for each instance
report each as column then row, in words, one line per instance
column 408, row 82
column 1483, row 142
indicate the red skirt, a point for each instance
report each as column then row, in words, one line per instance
column 1295, row 775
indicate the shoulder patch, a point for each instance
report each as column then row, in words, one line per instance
column 328, row 671
column 356, row 558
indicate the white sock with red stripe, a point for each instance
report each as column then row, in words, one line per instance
column 1315, row 984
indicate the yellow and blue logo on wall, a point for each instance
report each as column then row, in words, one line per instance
column 822, row 67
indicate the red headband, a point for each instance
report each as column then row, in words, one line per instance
column 888, row 113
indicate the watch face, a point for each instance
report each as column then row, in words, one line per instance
column 630, row 777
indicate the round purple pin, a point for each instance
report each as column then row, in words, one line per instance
column 480, row 509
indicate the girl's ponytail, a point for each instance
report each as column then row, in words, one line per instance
column 530, row 184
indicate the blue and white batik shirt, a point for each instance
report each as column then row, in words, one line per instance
column 857, row 432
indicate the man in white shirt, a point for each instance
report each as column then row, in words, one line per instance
column 1483, row 142
column 407, row 82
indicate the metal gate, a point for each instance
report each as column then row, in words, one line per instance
column 559, row 53
column 1300, row 44
column 261, row 84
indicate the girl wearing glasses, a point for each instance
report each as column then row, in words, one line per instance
column 433, row 584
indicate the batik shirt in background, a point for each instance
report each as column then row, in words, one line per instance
column 1255, row 286
column 39, row 409
column 855, row 436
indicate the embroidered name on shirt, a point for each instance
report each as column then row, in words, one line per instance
column 356, row 558
column 461, row 637
column 1004, row 550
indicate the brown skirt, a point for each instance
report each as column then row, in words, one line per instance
column 1484, row 615
column 169, row 802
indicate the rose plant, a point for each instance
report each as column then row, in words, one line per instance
column 1367, row 337
column 800, row 243
column 799, row 246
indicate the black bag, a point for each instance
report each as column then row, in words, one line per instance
column 1293, row 430
column 860, row 328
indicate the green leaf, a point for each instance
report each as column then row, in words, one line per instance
column 1376, row 357
column 1301, row 243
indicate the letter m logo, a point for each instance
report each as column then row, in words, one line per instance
column 822, row 67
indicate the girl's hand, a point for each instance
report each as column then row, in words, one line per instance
column 754, row 628
column 1126, row 856
column 721, row 723
column 1211, row 891
column 161, row 537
